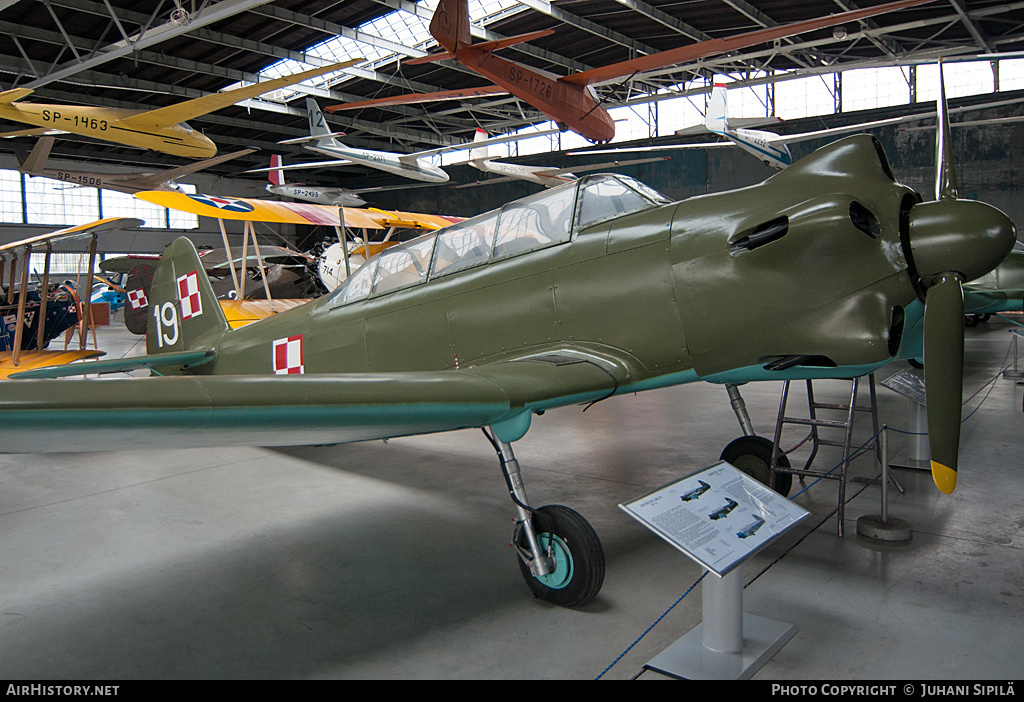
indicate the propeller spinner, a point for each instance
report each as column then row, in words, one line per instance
column 949, row 242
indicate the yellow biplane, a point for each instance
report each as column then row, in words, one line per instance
column 41, row 314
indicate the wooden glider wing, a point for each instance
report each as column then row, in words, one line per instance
column 714, row 47
column 274, row 212
column 287, row 410
column 184, row 111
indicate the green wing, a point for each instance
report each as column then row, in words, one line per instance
column 191, row 411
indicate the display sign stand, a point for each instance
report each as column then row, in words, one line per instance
column 1015, row 372
column 917, row 456
column 719, row 517
column 729, row 644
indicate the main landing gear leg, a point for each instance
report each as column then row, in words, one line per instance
column 560, row 554
column 740, row 408
column 752, row 454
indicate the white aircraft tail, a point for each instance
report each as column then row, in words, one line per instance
column 480, row 153
column 717, row 117
column 275, row 175
column 317, row 123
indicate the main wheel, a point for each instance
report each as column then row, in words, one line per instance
column 577, row 556
column 753, row 455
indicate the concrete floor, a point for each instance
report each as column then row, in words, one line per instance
column 391, row 560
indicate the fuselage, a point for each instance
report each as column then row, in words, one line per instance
column 521, row 172
column 763, row 145
column 318, row 194
column 381, row 160
column 646, row 290
column 572, row 105
column 123, row 183
column 108, row 124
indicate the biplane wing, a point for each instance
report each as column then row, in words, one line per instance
column 79, row 231
column 31, row 324
column 272, row 211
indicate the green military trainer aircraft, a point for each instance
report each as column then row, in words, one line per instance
column 596, row 288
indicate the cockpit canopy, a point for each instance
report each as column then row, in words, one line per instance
column 551, row 217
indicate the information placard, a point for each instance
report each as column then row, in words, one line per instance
column 910, row 385
column 719, row 516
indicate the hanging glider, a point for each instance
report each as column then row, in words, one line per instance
column 162, row 129
column 570, row 100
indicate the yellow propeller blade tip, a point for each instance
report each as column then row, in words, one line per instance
column 944, row 477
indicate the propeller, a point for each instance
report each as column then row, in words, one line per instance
column 951, row 241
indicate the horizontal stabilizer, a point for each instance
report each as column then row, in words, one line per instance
column 189, row 359
column 512, row 41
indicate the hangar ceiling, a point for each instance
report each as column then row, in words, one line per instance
column 150, row 53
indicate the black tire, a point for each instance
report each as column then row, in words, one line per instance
column 752, row 455
column 579, row 557
column 914, row 363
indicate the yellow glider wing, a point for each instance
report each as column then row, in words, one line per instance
column 184, row 111
column 275, row 212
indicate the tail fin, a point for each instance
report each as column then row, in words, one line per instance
column 450, row 25
column 184, row 313
column 717, row 117
column 138, row 288
column 276, row 177
column 35, row 161
column 480, row 153
column 317, row 123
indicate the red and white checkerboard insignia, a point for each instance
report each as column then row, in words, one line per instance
column 288, row 355
column 137, row 299
column 188, row 293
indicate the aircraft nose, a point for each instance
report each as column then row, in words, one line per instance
column 962, row 236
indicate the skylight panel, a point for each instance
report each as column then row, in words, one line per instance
column 399, row 27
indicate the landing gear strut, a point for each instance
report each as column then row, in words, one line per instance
column 560, row 554
column 753, row 454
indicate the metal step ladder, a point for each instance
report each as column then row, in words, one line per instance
column 815, row 422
